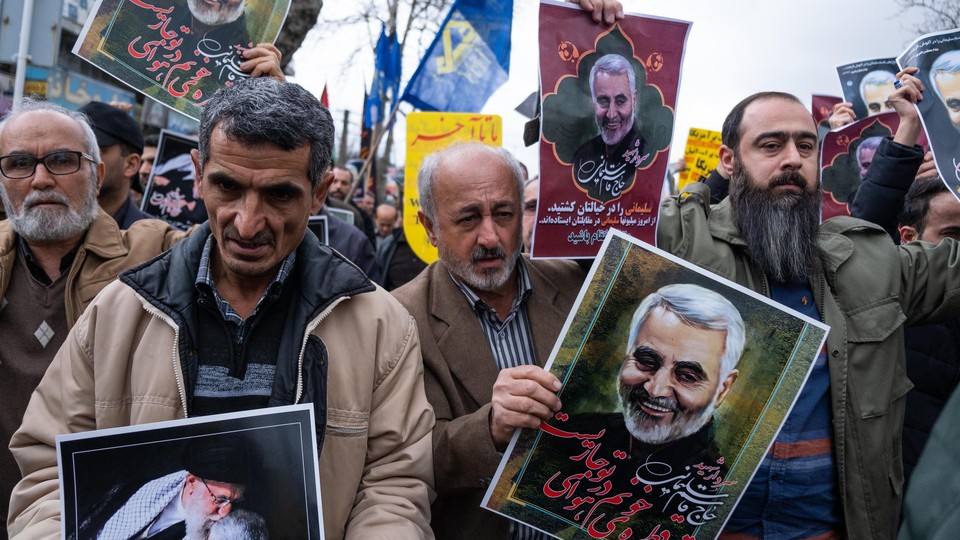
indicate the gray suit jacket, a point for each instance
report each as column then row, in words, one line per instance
column 459, row 372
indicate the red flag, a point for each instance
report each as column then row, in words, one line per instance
column 324, row 99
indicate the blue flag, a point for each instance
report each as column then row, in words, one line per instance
column 386, row 78
column 467, row 61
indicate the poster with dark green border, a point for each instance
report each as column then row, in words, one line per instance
column 675, row 382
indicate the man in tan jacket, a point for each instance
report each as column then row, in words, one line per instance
column 251, row 311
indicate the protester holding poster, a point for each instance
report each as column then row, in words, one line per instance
column 487, row 317
column 607, row 122
column 180, row 52
column 847, row 273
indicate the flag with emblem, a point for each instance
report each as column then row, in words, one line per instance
column 467, row 61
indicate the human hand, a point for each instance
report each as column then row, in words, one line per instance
column 262, row 60
column 841, row 115
column 928, row 169
column 523, row 397
column 605, row 11
column 903, row 100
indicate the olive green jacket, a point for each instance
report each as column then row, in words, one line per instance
column 866, row 290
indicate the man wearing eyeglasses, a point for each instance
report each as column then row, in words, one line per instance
column 182, row 504
column 58, row 249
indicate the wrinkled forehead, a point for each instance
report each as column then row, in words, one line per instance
column 52, row 129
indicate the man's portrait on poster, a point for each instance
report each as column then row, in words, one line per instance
column 659, row 451
column 605, row 166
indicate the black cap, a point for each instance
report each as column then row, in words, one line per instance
column 226, row 458
column 113, row 126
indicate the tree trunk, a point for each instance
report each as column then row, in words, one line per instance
column 301, row 18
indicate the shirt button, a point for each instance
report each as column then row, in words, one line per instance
column 500, row 335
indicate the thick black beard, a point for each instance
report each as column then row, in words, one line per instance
column 780, row 229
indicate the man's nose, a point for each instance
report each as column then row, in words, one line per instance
column 250, row 217
column 42, row 178
column 222, row 511
column 658, row 385
column 487, row 235
column 791, row 157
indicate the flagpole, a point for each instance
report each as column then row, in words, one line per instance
column 376, row 144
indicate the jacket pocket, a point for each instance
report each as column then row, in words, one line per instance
column 876, row 370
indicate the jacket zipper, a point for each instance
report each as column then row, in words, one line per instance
column 303, row 345
column 175, row 353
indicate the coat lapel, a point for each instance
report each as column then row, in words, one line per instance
column 458, row 336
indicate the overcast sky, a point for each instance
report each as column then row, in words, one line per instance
column 735, row 48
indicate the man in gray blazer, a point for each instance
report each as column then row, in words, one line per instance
column 487, row 318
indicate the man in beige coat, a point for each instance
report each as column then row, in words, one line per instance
column 488, row 319
column 283, row 320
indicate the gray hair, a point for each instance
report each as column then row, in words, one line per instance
column 240, row 524
column 946, row 62
column 28, row 105
column 612, row 64
column 427, row 175
column 262, row 110
column 877, row 77
column 870, row 143
column 698, row 307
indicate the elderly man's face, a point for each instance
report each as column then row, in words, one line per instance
column 670, row 382
column 207, row 501
column 258, row 201
column 613, row 103
column 876, row 98
column 48, row 208
column 216, row 12
column 477, row 228
column 866, row 158
column 948, row 83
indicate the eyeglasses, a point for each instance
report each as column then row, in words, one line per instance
column 19, row 166
column 220, row 500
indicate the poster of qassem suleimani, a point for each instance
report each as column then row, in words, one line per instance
column 609, row 95
column 675, row 383
column 178, row 52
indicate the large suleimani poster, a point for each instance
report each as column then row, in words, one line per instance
column 675, row 383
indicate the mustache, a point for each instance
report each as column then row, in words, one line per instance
column 789, row 178
column 230, row 232
column 481, row 252
column 638, row 396
column 44, row 197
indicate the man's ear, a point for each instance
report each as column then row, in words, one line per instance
column 908, row 234
column 198, row 179
column 320, row 192
column 726, row 385
column 428, row 226
column 726, row 161
column 131, row 164
column 101, row 172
